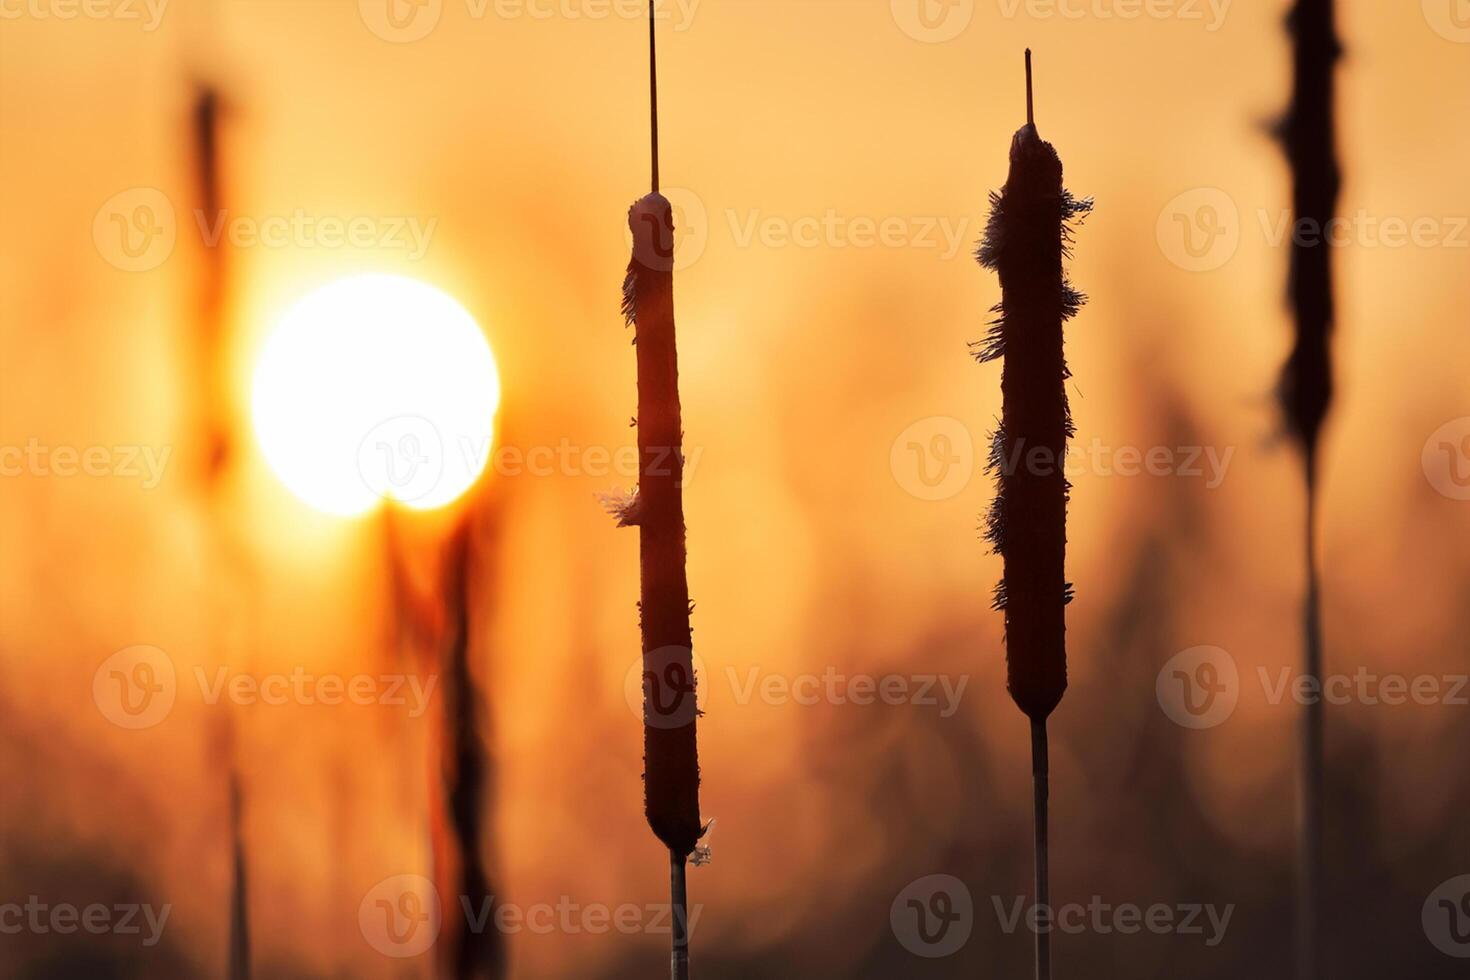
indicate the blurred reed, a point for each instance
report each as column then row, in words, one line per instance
column 437, row 619
column 229, row 562
column 1305, row 392
column 1025, row 241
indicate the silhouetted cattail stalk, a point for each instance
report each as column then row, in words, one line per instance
column 1025, row 240
column 1306, row 394
column 670, row 756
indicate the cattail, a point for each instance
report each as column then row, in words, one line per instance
column 214, row 440
column 1025, row 241
column 473, row 954
column 434, row 618
column 670, row 757
column 1305, row 392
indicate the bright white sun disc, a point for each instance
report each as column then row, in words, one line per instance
column 375, row 388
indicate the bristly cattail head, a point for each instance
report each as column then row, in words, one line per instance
column 1308, row 135
column 1025, row 241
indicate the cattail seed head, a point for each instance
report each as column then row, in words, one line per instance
column 671, row 762
column 1025, row 241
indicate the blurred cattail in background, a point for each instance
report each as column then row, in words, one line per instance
column 231, row 584
column 1025, row 240
column 670, row 755
column 1308, row 135
column 437, row 614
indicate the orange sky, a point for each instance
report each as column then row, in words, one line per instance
column 793, row 134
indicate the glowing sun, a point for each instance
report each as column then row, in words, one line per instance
column 376, row 388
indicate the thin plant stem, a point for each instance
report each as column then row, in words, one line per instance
column 1040, row 776
column 679, row 900
column 1311, row 774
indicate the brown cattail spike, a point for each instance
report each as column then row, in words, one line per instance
column 1025, row 242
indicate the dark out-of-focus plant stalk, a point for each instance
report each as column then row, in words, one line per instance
column 436, row 619
column 1308, row 135
column 214, row 452
column 670, row 750
column 1025, row 241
